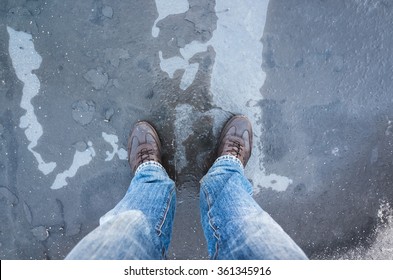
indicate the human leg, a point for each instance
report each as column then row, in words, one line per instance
column 235, row 226
column 140, row 225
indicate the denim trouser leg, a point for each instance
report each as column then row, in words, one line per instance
column 140, row 225
column 235, row 226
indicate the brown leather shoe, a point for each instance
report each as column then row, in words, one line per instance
column 143, row 145
column 236, row 139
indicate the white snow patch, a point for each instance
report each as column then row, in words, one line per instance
column 336, row 151
column 237, row 75
column 25, row 59
column 166, row 8
column 170, row 65
column 276, row 182
column 189, row 75
column 80, row 159
column 113, row 139
column 382, row 245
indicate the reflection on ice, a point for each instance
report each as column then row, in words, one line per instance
column 237, row 76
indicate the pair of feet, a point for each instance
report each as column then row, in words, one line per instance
column 144, row 144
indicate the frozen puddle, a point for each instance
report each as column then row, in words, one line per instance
column 183, row 122
column 80, row 159
column 113, row 139
column 25, row 59
column 166, row 8
column 172, row 64
column 238, row 46
column 237, row 76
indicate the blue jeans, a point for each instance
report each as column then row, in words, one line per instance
column 235, row 226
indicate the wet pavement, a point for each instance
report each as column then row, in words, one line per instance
column 314, row 77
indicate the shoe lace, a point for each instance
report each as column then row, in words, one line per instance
column 235, row 148
column 144, row 155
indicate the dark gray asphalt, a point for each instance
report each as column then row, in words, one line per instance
column 315, row 80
